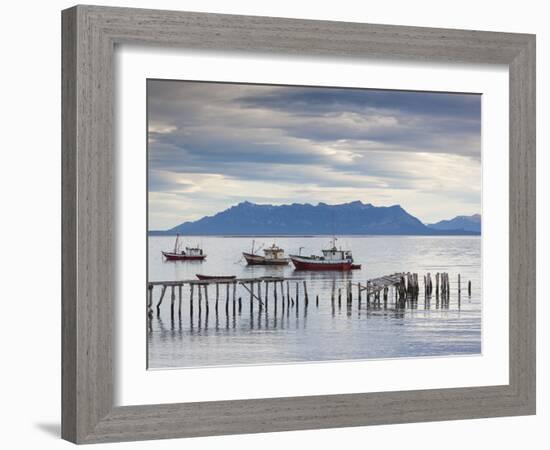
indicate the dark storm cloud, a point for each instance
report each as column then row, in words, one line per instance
column 315, row 101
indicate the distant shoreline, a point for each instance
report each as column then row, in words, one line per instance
column 441, row 234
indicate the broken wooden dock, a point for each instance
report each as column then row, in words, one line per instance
column 399, row 289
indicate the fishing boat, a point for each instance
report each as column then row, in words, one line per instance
column 273, row 256
column 332, row 259
column 215, row 277
column 189, row 254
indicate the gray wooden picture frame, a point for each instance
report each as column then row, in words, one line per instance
column 90, row 34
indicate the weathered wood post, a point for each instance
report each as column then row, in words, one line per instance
column 172, row 300
column 200, row 299
column 149, row 299
column 333, row 290
column 317, row 300
column 339, row 297
column 251, row 298
column 469, row 288
column 437, row 284
column 180, row 287
column 425, row 287
column 287, row 294
column 297, row 293
column 217, row 295
column 359, row 292
column 234, row 296
column 160, row 298
column 306, row 299
column 206, row 297
column 191, row 287
column 459, row 284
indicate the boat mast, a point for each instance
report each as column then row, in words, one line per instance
column 176, row 243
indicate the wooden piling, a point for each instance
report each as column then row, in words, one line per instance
column 172, row 300
column 306, row 299
column 226, row 303
column 206, row 297
column 179, row 299
column 287, row 294
column 200, row 299
column 160, row 298
column 191, row 287
column 469, row 288
column 251, row 298
column 149, row 299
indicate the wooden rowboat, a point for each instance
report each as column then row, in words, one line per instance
column 215, row 277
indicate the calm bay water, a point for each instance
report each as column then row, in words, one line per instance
column 324, row 332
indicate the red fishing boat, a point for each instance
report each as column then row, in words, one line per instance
column 273, row 256
column 189, row 254
column 332, row 259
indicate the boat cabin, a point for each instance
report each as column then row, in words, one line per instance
column 274, row 252
column 333, row 254
column 193, row 251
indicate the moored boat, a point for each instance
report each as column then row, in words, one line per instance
column 332, row 259
column 215, row 277
column 273, row 256
column 189, row 254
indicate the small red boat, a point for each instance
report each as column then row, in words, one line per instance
column 332, row 259
column 215, row 277
column 189, row 254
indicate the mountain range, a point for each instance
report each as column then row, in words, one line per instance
column 246, row 219
column 466, row 223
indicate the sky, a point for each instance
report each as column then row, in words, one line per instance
column 214, row 145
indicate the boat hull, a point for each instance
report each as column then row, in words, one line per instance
column 177, row 257
column 257, row 260
column 301, row 263
column 215, row 277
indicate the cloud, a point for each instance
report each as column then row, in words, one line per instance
column 218, row 143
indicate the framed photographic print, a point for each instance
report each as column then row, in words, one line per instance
column 335, row 219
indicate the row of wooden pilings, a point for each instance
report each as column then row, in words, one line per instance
column 252, row 286
column 291, row 291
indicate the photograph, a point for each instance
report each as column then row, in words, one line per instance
column 300, row 224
